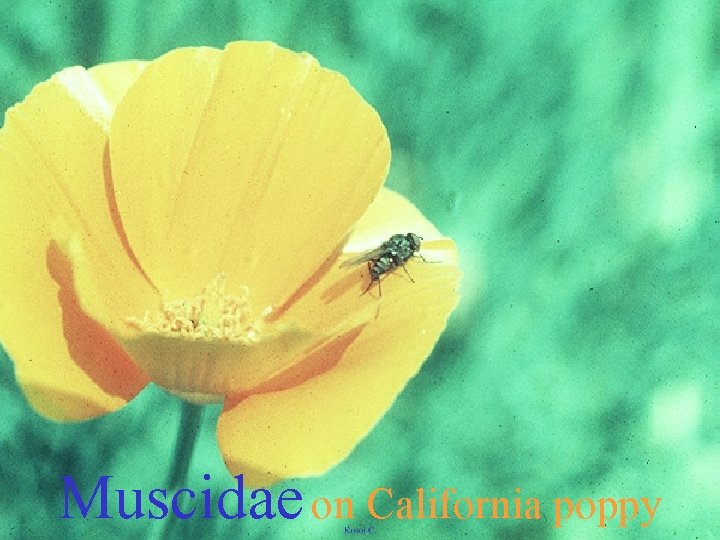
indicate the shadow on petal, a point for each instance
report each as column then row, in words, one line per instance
column 89, row 344
column 115, row 214
column 316, row 277
column 320, row 360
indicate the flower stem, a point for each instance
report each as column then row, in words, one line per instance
column 188, row 430
column 187, row 435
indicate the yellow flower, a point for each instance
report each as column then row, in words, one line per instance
column 184, row 222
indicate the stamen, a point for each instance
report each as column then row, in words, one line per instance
column 212, row 315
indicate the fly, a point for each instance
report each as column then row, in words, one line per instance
column 391, row 254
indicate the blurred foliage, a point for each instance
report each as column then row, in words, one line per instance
column 573, row 154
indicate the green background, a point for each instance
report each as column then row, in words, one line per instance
column 572, row 151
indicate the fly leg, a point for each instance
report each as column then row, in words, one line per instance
column 372, row 279
column 408, row 273
column 423, row 258
column 377, row 309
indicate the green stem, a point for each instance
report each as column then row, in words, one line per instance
column 190, row 418
column 188, row 430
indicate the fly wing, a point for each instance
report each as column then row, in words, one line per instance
column 364, row 257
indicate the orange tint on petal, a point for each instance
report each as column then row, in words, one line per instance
column 254, row 161
column 308, row 428
column 52, row 171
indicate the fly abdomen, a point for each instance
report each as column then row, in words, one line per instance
column 381, row 266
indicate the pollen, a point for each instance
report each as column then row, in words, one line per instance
column 213, row 315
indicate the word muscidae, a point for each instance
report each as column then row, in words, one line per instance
column 427, row 506
column 159, row 503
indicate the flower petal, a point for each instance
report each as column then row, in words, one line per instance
column 253, row 161
column 390, row 213
column 214, row 368
column 293, row 429
column 53, row 172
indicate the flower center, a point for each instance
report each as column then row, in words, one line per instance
column 211, row 315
